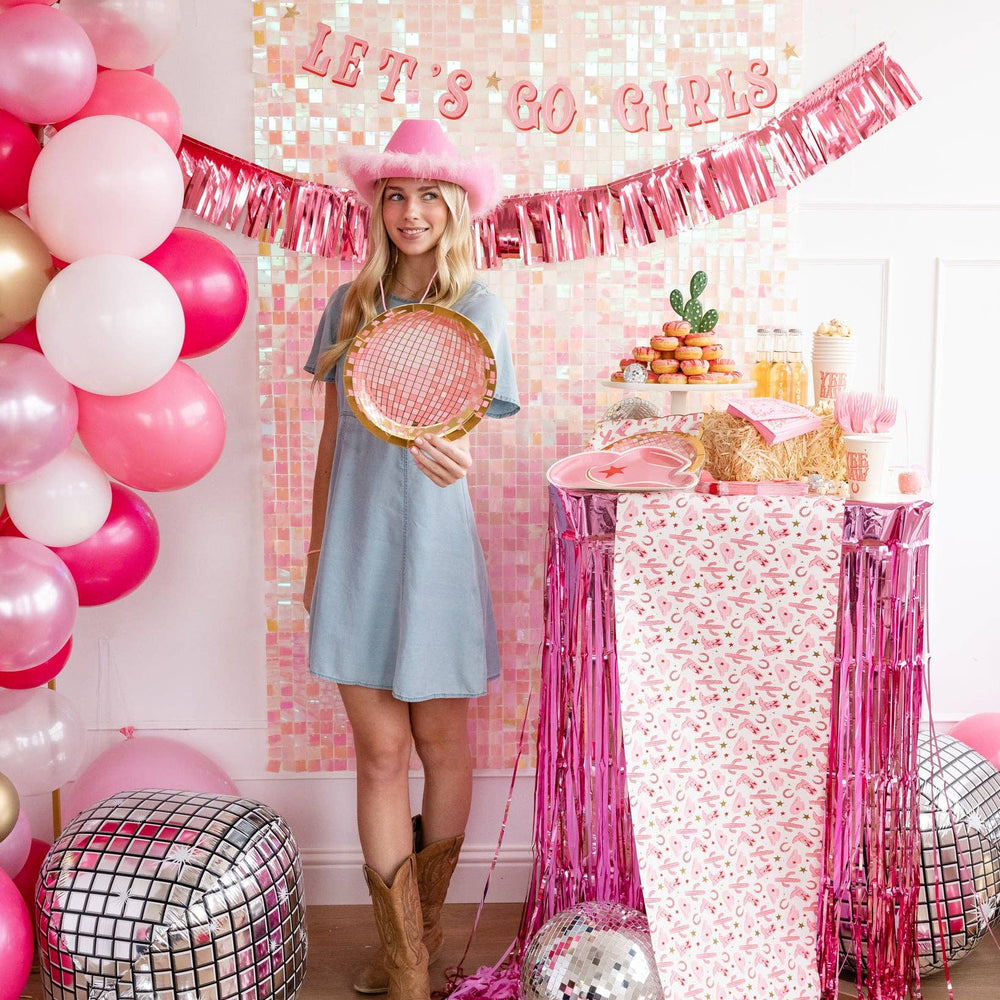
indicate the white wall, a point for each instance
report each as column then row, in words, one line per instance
column 898, row 238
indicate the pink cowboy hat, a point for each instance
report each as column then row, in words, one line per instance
column 420, row 149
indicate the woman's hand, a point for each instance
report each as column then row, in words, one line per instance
column 442, row 461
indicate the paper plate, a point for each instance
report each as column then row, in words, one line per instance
column 418, row 369
column 636, row 469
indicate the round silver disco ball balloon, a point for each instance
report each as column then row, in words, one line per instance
column 591, row 951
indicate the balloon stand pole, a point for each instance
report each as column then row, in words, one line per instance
column 56, row 798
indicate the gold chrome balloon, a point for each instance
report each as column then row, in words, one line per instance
column 10, row 805
column 26, row 268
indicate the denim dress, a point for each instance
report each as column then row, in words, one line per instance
column 402, row 601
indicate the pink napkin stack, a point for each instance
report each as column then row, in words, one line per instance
column 774, row 419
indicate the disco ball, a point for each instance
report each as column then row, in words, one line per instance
column 959, row 871
column 591, row 951
column 631, row 408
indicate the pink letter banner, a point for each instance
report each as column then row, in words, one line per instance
column 726, row 613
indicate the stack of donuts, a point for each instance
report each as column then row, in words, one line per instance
column 679, row 356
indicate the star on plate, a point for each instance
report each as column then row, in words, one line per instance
column 613, row 470
column 493, row 81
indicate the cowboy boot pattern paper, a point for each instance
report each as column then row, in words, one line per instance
column 726, row 617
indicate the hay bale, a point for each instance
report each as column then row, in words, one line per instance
column 734, row 451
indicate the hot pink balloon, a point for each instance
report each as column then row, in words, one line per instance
column 209, row 281
column 27, row 336
column 21, row 680
column 38, row 603
column 17, row 940
column 18, row 151
column 25, row 878
column 38, row 412
column 47, row 64
column 146, row 762
column 162, row 438
column 133, row 94
column 119, row 556
column 981, row 732
column 7, row 4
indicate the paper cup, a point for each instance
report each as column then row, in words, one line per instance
column 867, row 462
column 832, row 365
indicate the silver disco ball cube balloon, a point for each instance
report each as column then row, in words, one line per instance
column 591, row 951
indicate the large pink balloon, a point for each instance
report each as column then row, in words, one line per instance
column 18, row 151
column 163, row 438
column 38, row 603
column 17, row 941
column 209, row 281
column 133, row 94
column 127, row 34
column 47, row 64
column 146, row 762
column 21, row 680
column 115, row 560
column 38, row 412
column 982, row 733
column 102, row 185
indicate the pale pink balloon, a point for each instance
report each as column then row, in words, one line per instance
column 163, row 438
column 14, row 848
column 38, row 603
column 981, row 732
column 127, row 34
column 130, row 93
column 38, row 412
column 146, row 762
column 105, row 185
column 41, row 739
column 47, row 64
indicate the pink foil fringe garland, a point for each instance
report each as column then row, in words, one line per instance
column 583, row 840
column 589, row 222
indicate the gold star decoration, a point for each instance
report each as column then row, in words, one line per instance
column 493, row 81
column 596, row 91
column 789, row 51
column 291, row 12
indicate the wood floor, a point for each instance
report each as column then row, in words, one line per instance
column 340, row 937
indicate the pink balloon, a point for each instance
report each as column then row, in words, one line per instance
column 105, row 185
column 208, row 279
column 18, row 151
column 7, row 4
column 27, row 336
column 146, row 762
column 981, row 732
column 127, row 34
column 21, row 680
column 15, row 846
column 38, row 412
column 38, row 603
column 47, row 64
column 25, row 879
column 115, row 560
column 17, row 941
column 131, row 93
column 162, row 438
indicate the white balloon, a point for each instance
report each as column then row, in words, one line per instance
column 110, row 324
column 41, row 739
column 126, row 34
column 64, row 502
column 105, row 184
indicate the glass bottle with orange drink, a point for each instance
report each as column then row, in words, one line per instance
column 779, row 374
column 798, row 374
column 762, row 362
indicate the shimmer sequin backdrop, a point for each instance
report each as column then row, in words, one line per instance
column 612, row 91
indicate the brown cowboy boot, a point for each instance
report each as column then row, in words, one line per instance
column 435, row 867
column 400, row 928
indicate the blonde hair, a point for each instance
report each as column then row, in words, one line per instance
column 454, row 261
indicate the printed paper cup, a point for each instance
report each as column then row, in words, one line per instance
column 832, row 365
column 867, row 463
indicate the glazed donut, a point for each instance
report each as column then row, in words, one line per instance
column 651, row 376
column 694, row 367
column 677, row 327
column 723, row 365
column 687, row 353
column 700, row 379
column 672, row 378
column 625, row 362
column 618, row 376
column 664, row 366
column 698, row 340
column 661, row 342
column 644, row 354
column 712, row 352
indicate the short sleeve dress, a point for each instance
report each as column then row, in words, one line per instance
column 402, row 601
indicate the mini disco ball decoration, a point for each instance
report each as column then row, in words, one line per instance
column 959, row 873
column 630, row 408
column 634, row 372
column 154, row 894
column 591, row 951
column 960, row 850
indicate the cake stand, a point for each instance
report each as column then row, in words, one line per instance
column 683, row 398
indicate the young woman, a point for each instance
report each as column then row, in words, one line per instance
column 400, row 610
